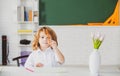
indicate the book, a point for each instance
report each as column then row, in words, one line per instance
column 20, row 13
column 30, row 16
column 25, row 15
column 24, row 31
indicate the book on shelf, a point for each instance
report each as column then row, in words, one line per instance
column 24, row 31
column 20, row 13
column 24, row 14
column 30, row 15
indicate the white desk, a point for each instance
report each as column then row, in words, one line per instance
column 58, row 71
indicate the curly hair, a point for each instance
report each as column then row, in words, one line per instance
column 48, row 31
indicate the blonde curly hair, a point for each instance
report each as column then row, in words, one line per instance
column 48, row 31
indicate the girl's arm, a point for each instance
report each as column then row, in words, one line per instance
column 57, row 52
column 29, row 61
column 59, row 55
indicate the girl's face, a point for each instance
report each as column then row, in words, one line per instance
column 44, row 40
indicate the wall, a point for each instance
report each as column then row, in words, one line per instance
column 74, row 42
column 8, row 25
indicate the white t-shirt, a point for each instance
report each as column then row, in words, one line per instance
column 47, row 57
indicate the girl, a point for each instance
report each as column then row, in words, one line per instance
column 45, row 50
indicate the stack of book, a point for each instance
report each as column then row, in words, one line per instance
column 24, row 31
column 24, row 14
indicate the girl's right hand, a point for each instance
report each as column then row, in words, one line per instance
column 39, row 65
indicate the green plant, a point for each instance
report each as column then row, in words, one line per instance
column 97, row 40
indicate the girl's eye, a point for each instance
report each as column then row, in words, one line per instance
column 42, row 37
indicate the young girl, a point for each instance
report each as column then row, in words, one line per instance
column 45, row 50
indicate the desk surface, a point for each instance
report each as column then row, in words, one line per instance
column 57, row 71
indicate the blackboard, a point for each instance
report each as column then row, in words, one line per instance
column 70, row 12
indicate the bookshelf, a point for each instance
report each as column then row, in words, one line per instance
column 27, row 21
column 27, row 11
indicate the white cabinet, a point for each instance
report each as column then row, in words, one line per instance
column 27, row 21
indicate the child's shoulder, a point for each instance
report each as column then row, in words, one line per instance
column 34, row 51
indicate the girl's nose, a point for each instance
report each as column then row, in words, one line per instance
column 46, row 39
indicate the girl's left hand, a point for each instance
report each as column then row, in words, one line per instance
column 53, row 44
column 39, row 65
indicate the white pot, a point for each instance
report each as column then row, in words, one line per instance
column 94, row 63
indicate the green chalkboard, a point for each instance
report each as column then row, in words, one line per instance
column 70, row 12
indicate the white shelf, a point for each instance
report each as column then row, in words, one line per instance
column 27, row 20
column 27, row 12
column 25, row 45
column 25, row 33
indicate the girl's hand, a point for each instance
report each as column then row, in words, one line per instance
column 53, row 44
column 39, row 65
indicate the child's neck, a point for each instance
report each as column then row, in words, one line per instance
column 43, row 48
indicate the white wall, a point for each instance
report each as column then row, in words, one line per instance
column 8, row 25
column 74, row 41
column 76, row 44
